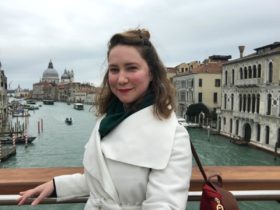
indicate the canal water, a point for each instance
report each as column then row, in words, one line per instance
column 62, row 145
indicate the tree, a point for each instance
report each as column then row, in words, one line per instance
column 195, row 109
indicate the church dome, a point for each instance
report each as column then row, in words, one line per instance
column 65, row 75
column 50, row 74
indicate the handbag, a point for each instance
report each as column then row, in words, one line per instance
column 214, row 196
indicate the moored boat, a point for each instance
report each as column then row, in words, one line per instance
column 30, row 101
column 18, row 140
column 182, row 122
column 20, row 114
column 239, row 142
column 48, row 102
column 78, row 106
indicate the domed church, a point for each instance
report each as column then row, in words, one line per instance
column 67, row 76
column 50, row 75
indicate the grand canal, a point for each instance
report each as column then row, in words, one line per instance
column 60, row 145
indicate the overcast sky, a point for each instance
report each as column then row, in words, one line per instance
column 74, row 34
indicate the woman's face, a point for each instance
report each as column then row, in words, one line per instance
column 128, row 74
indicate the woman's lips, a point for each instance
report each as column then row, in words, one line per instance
column 124, row 90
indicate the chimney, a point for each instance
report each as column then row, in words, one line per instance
column 241, row 50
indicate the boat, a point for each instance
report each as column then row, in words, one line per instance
column 30, row 102
column 18, row 140
column 48, row 102
column 182, row 122
column 33, row 107
column 68, row 121
column 78, row 106
column 239, row 142
column 192, row 125
column 19, row 113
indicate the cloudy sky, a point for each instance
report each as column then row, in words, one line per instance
column 74, row 33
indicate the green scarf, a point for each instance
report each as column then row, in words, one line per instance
column 116, row 113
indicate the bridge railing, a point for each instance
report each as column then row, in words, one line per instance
column 245, row 182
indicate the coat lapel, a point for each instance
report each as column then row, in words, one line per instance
column 95, row 164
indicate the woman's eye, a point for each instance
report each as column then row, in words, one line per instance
column 114, row 70
column 132, row 68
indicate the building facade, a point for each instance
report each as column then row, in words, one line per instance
column 199, row 83
column 3, row 97
column 64, row 89
column 251, row 97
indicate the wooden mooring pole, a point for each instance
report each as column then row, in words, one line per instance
column 38, row 127
column 42, row 125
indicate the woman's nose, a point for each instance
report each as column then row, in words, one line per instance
column 122, row 77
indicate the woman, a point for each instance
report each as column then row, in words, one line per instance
column 138, row 156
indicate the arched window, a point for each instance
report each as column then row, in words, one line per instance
column 270, row 72
column 232, row 101
column 240, row 102
column 230, row 126
column 267, row 134
column 268, row 112
column 244, row 103
column 225, row 101
column 232, row 76
column 226, row 77
column 254, row 71
column 259, row 70
column 253, row 103
column 249, row 103
column 236, row 127
column 258, row 132
column 241, row 73
column 258, row 103
column 250, row 71
column 245, row 73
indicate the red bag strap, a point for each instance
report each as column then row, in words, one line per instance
column 229, row 200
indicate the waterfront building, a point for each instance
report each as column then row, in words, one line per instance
column 76, row 92
column 171, row 72
column 197, row 82
column 250, row 97
column 44, row 90
column 66, row 89
column 3, row 97
column 21, row 93
column 186, row 67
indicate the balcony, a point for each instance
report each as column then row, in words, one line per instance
column 246, row 115
column 252, row 82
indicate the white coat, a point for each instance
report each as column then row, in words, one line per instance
column 144, row 163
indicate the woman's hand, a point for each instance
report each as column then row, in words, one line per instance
column 42, row 191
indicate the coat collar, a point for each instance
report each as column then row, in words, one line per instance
column 142, row 140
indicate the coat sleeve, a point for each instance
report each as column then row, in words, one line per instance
column 168, row 188
column 70, row 186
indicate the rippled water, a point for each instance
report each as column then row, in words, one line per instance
column 218, row 150
column 61, row 145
